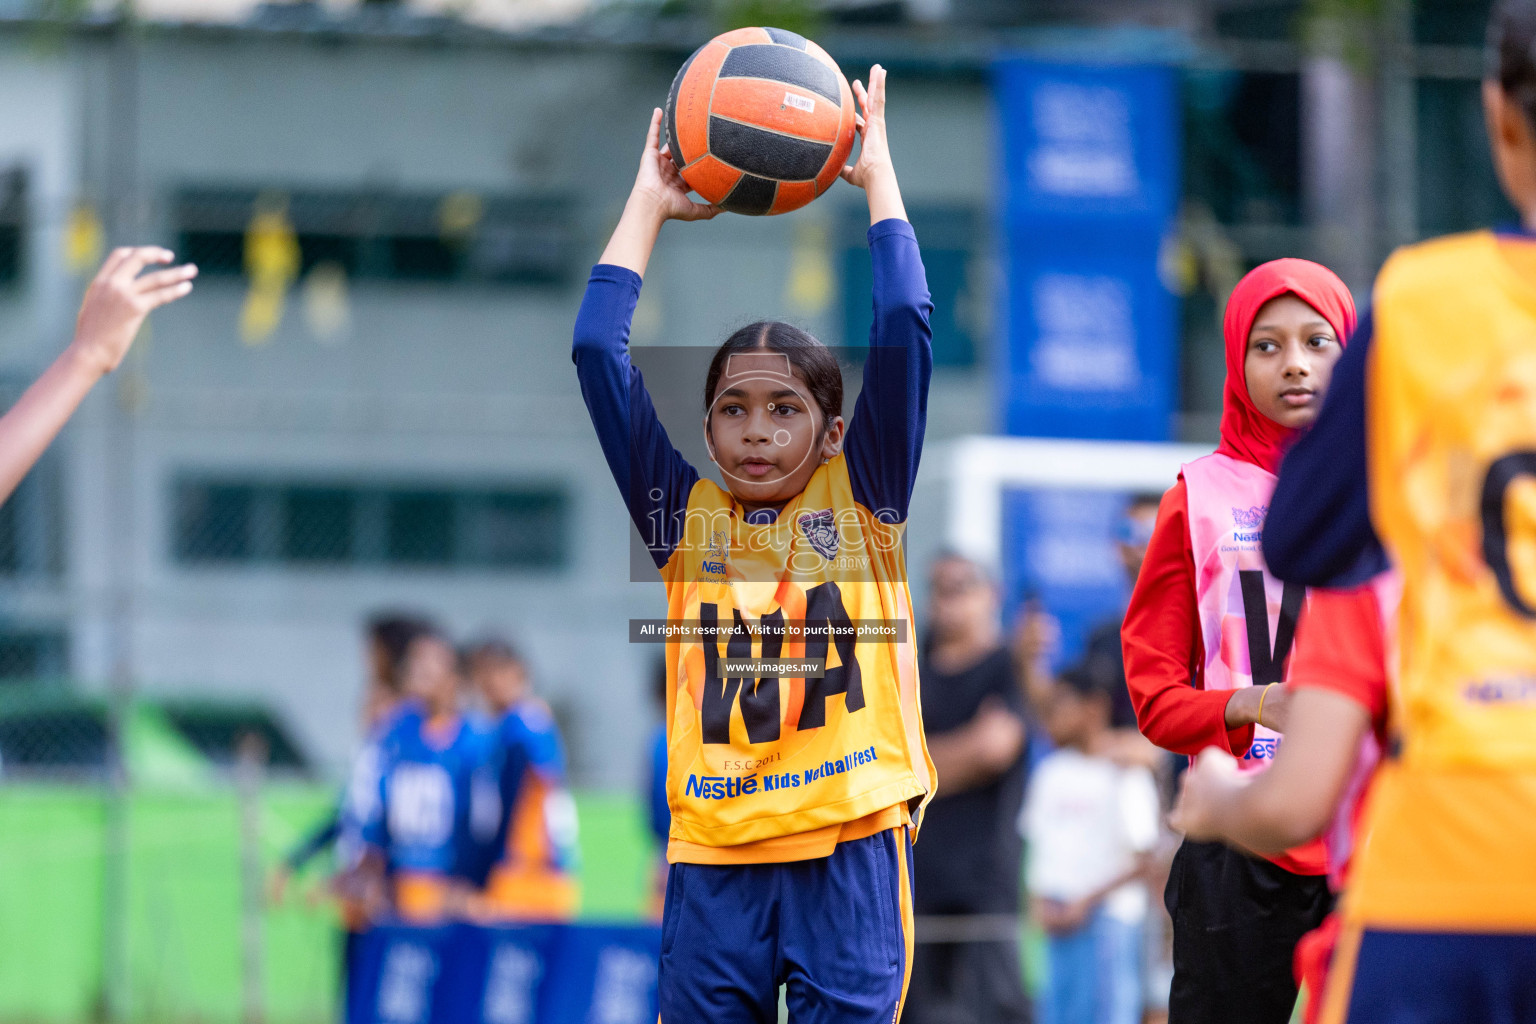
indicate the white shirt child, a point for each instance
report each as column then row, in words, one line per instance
column 1086, row 819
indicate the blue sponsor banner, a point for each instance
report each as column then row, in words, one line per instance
column 1088, row 143
column 1059, row 554
column 398, row 972
column 1089, row 174
column 604, row 974
column 533, row 974
column 1087, row 348
column 1091, row 348
column 496, row 975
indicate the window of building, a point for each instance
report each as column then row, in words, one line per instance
column 1451, row 22
column 213, row 522
column 31, row 653
column 217, row 730
column 954, row 248
column 449, row 237
column 1458, row 188
column 420, row 527
column 219, row 521
column 55, row 737
column 1242, row 146
column 32, row 519
column 31, row 542
column 317, row 524
column 13, row 224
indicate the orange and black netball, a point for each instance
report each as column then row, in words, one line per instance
column 760, row 121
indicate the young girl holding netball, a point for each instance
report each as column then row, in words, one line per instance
column 792, row 792
column 1206, row 639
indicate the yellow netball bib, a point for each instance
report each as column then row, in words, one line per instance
column 1450, row 829
column 1452, row 436
column 755, row 754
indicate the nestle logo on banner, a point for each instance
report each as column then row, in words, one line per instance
column 1083, row 143
column 1251, row 518
column 1087, row 336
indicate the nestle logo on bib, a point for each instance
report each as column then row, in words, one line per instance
column 1249, row 523
column 720, row 787
column 1250, row 518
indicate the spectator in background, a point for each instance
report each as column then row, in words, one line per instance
column 418, row 836
column 530, row 863
column 1102, row 653
column 1038, row 634
column 1035, row 642
column 969, row 860
column 1092, row 823
column 388, row 637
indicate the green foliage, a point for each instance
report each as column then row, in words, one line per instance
column 1344, row 9
column 51, row 25
column 1345, row 28
column 60, row 10
column 802, row 16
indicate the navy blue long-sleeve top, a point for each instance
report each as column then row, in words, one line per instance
column 884, row 439
column 1318, row 531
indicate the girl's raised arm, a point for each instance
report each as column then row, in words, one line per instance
column 659, row 195
column 885, row 433
column 873, row 171
column 652, row 475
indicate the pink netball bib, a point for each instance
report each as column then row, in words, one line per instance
column 1247, row 617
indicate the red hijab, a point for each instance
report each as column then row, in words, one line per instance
column 1246, row 433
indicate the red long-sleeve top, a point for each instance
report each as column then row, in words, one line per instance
column 1164, row 649
column 1165, row 659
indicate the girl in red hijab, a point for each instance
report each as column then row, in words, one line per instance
column 1206, row 639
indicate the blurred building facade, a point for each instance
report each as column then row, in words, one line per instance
column 369, row 402
column 410, row 433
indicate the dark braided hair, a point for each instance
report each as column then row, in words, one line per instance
column 823, row 377
column 1511, row 54
column 394, row 632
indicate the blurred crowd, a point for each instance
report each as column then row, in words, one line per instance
column 458, row 806
column 1050, row 802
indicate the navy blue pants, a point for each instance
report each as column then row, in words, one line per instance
column 1430, row 978
column 836, row 932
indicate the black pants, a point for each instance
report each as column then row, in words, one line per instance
column 966, row 983
column 1236, row 921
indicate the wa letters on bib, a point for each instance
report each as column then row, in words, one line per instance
column 763, row 754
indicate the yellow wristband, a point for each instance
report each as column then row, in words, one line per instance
column 1261, row 702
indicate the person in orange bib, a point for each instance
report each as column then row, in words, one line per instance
column 531, row 875
column 1425, row 457
column 796, row 766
